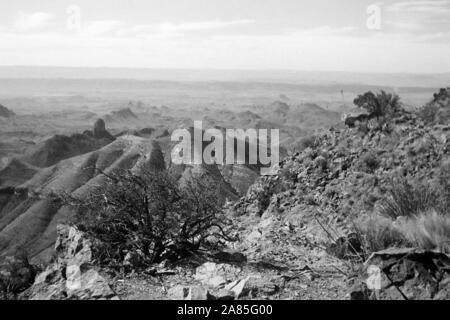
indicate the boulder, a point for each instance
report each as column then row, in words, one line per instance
column 178, row 292
column 72, row 247
column 237, row 287
column 87, row 285
column 195, row 292
column 403, row 274
column 72, row 275
column 223, row 294
column 253, row 285
column 48, row 285
column 215, row 275
column 198, row 293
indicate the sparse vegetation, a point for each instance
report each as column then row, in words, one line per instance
column 16, row 275
column 308, row 142
column 377, row 233
column 149, row 217
column 378, row 104
column 429, row 230
column 432, row 111
column 413, row 214
column 288, row 174
column 369, row 163
column 409, row 198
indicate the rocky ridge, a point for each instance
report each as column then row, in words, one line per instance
column 344, row 171
column 283, row 226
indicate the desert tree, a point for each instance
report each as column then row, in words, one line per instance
column 378, row 104
column 150, row 216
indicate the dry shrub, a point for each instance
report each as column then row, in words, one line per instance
column 16, row 275
column 429, row 230
column 150, row 217
column 408, row 199
column 379, row 104
column 377, row 233
column 429, row 112
column 436, row 111
column 369, row 163
column 443, row 181
column 311, row 141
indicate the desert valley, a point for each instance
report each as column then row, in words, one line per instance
column 363, row 177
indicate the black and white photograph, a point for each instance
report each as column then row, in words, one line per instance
column 239, row 152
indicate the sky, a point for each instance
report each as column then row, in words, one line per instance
column 346, row 35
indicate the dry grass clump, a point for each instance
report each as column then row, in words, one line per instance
column 377, row 233
column 408, row 199
column 413, row 214
column 429, row 230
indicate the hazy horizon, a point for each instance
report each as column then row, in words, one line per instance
column 348, row 36
column 312, row 78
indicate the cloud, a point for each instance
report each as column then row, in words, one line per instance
column 32, row 21
column 307, row 50
column 437, row 7
column 202, row 25
column 174, row 29
column 409, row 26
column 421, row 20
column 325, row 31
column 100, row 27
column 233, row 44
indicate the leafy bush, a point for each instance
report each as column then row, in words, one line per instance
column 150, row 217
column 378, row 104
column 443, row 94
column 429, row 112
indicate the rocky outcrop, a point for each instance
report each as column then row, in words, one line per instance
column 403, row 274
column 215, row 275
column 72, row 274
column 60, row 147
column 100, row 131
column 346, row 171
column 5, row 112
column 225, row 282
column 344, row 174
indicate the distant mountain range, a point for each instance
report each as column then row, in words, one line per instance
column 274, row 76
